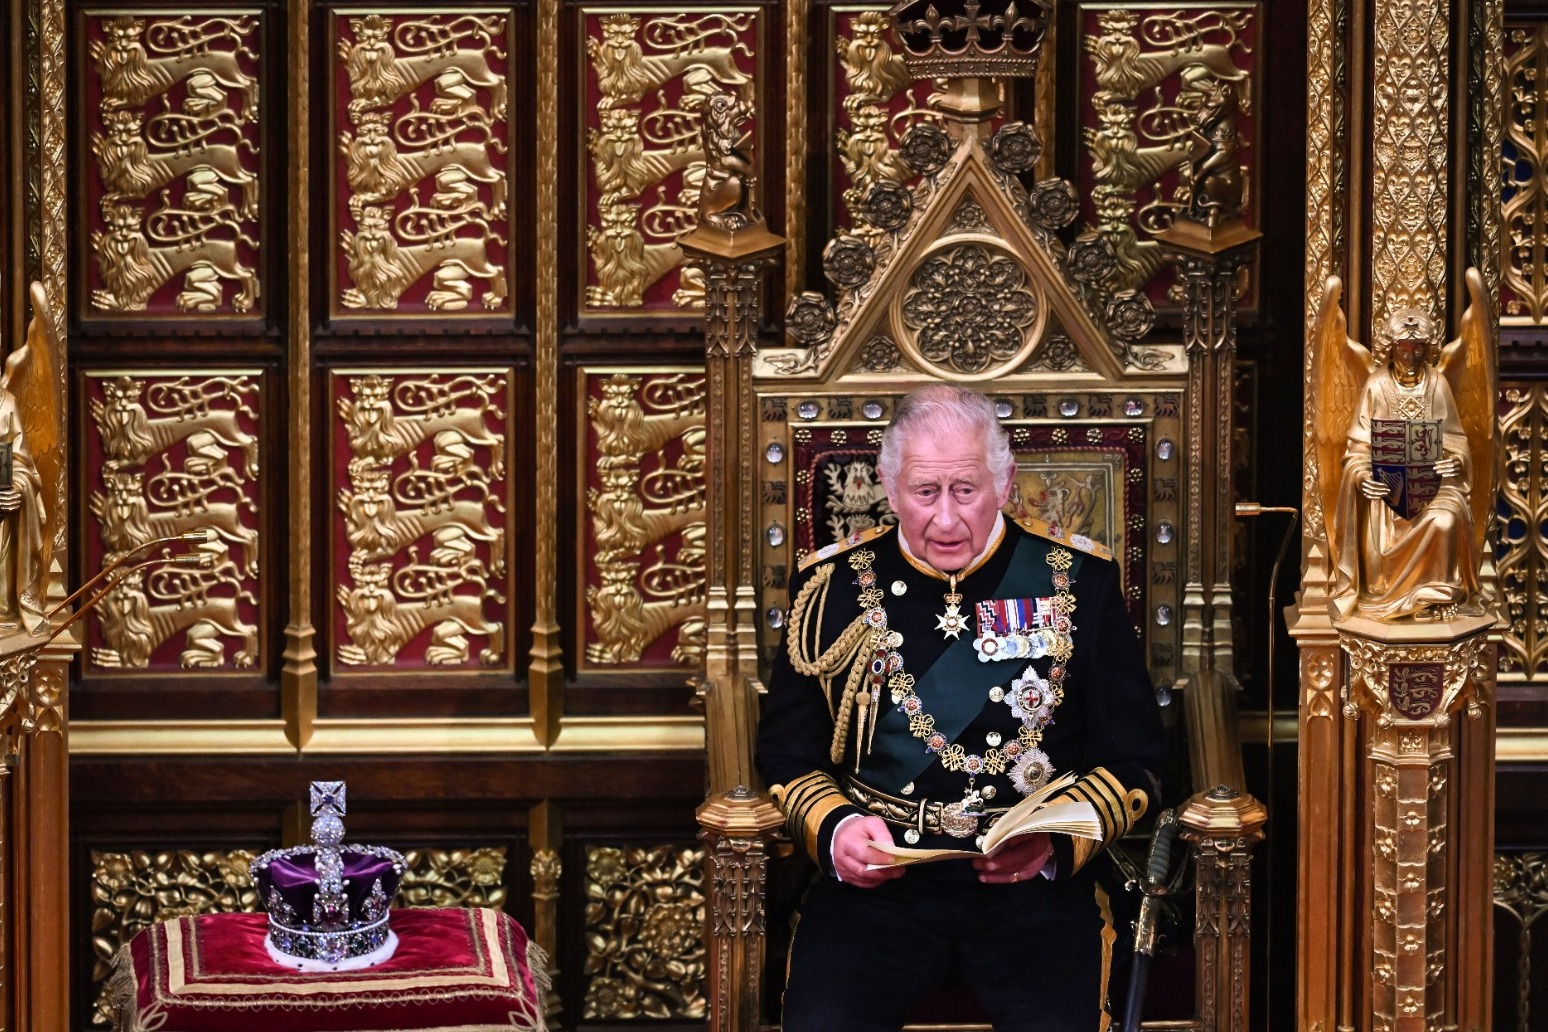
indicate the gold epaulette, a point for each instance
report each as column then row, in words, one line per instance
column 1079, row 542
column 829, row 551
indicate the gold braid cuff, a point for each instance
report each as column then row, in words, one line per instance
column 1116, row 807
column 848, row 653
column 806, row 803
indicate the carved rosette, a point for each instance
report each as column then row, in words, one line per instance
column 420, row 529
column 171, row 207
column 1524, row 291
column 970, row 311
column 1144, row 73
column 648, row 75
column 173, row 453
column 644, row 561
column 645, row 919
column 1521, row 562
column 420, row 170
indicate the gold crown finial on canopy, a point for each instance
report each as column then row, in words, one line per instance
column 954, row 39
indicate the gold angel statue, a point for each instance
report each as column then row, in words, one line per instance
column 29, row 446
column 1406, row 445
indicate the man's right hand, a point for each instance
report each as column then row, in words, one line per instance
column 1375, row 488
column 10, row 500
column 852, row 852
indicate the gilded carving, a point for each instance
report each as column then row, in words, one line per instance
column 1406, row 439
column 1521, row 890
column 645, row 920
column 423, row 162
column 1386, row 672
column 1408, row 813
column 177, row 453
column 132, row 890
column 652, row 77
column 971, row 340
column 876, row 104
column 1521, row 560
column 424, row 519
column 176, row 149
column 1151, row 72
column 453, row 878
column 1525, row 214
column 647, row 506
column 1410, row 154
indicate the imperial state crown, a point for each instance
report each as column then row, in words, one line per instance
column 328, row 902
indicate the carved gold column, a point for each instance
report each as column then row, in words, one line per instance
column 1395, row 812
column 733, row 247
column 1211, row 245
column 298, row 675
column 1408, row 681
column 545, row 833
column 545, row 672
column 1222, row 825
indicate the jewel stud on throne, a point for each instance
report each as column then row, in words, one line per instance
column 328, row 902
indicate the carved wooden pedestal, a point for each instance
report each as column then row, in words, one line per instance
column 736, row 828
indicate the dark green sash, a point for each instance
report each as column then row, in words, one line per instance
column 956, row 687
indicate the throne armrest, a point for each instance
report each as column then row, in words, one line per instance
column 737, row 828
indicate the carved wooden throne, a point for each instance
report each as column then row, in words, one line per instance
column 1117, row 438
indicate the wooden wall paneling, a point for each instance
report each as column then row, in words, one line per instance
column 169, row 142
column 640, row 88
column 1133, row 111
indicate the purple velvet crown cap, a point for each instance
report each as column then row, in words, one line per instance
column 292, row 876
column 328, row 902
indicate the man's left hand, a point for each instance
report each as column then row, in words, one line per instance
column 1022, row 859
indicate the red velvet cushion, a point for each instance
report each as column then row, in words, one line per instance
column 454, row 971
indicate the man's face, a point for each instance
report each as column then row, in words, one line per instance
column 945, row 499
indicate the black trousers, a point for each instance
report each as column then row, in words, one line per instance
column 1036, row 954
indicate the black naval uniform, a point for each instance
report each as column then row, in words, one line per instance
column 1035, row 953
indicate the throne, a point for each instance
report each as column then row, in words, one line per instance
column 1119, row 439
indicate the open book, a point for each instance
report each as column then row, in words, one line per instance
column 1034, row 813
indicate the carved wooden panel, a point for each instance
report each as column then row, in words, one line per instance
column 420, row 165
column 873, row 101
column 1521, row 554
column 645, row 955
column 642, row 563
column 1139, row 66
column 1520, row 899
column 1524, row 288
column 648, row 71
column 421, row 519
column 171, row 185
column 168, row 453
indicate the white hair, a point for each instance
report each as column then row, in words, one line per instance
column 946, row 411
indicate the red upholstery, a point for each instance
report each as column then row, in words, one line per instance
column 454, row 971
